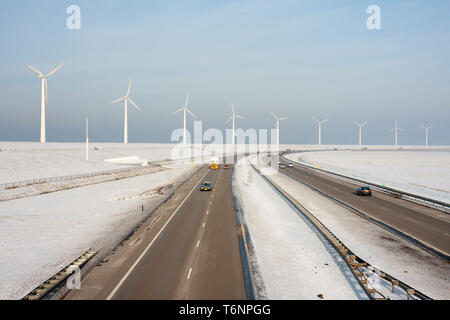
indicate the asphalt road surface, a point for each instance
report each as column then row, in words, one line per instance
column 430, row 226
column 188, row 249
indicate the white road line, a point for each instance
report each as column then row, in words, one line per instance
column 189, row 274
column 204, row 224
column 198, row 243
column 116, row 288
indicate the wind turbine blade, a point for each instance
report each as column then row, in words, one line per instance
column 120, row 99
column 232, row 108
column 240, row 117
column 134, row 104
column 190, row 112
column 273, row 115
column 323, row 121
column 283, row 119
column 315, row 119
column 182, row 108
column 229, row 119
column 129, row 88
column 35, row 70
column 54, row 70
column 364, row 123
column 187, row 100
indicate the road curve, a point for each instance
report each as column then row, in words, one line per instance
column 428, row 225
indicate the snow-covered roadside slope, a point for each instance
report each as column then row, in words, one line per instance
column 293, row 261
column 390, row 253
column 40, row 235
column 425, row 173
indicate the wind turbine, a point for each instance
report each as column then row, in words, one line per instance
column 319, row 122
column 396, row 129
column 277, row 126
column 233, row 116
column 426, row 134
column 44, row 98
column 185, row 109
column 360, row 125
column 126, row 98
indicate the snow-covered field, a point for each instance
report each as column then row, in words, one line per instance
column 293, row 260
column 42, row 234
column 425, row 173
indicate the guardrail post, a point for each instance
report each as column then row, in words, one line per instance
column 394, row 283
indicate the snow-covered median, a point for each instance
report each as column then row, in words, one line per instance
column 293, row 260
column 425, row 173
column 42, row 234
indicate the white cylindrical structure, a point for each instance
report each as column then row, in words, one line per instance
column 184, row 126
column 125, row 123
column 43, row 138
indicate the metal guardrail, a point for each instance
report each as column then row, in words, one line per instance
column 49, row 285
column 388, row 190
column 359, row 267
column 23, row 183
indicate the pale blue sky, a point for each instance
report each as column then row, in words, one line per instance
column 296, row 58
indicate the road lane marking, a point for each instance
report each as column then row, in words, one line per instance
column 117, row 287
column 189, row 274
column 198, row 243
column 204, row 224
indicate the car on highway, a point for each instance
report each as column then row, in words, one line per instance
column 226, row 166
column 282, row 166
column 364, row 191
column 290, row 165
column 206, row 186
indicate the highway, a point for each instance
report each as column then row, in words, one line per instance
column 428, row 225
column 187, row 249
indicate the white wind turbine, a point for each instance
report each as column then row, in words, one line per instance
column 277, row 126
column 319, row 122
column 360, row 125
column 185, row 109
column 426, row 134
column 396, row 129
column 126, row 98
column 44, row 99
column 232, row 117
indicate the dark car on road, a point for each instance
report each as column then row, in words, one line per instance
column 206, row 186
column 226, row 166
column 364, row 191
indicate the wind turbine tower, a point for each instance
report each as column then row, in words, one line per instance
column 277, row 126
column 396, row 129
column 185, row 109
column 44, row 98
column 320, row 122
column 360, row 125
column 426, row 134
column 126, row 98
column 234, row 115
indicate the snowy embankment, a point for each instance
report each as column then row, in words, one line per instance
column 31, row 160
column 40, row 235
column 383, row 249
column 294, row 261
column 425, row 173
